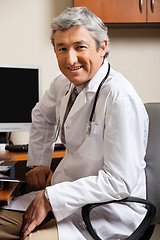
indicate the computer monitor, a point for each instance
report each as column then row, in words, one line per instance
column 20, row 90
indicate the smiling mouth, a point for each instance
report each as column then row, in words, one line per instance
column 74, row 68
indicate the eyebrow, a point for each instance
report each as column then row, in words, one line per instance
column 77, row 42
column 81, row 42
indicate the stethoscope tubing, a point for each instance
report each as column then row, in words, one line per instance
column 97, row 93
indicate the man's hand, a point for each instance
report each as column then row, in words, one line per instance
column 34, row 215
column 39, row 177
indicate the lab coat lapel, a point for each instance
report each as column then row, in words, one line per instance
column 64, row 104
column 78, row 104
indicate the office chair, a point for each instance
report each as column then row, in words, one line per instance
column 152, row 158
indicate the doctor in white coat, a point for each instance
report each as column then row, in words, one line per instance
column 104, row 157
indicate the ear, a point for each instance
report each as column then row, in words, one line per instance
column 103, row 47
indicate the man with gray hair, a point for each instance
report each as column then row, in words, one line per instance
column 104, row 126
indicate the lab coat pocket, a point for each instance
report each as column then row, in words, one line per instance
column 92, row 147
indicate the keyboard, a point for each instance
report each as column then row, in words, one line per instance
column 17, row 148
column 24, row 147
column 59, row 146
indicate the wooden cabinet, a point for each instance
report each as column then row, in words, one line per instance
column 153, row 10
column 123, row 11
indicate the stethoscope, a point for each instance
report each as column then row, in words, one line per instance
column 92, row 112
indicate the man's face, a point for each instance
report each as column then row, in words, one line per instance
column 77, row 54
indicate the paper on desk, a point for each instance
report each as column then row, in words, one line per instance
column 4, row 168
column 21, row 203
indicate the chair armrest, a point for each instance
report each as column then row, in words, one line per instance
column 137, row 233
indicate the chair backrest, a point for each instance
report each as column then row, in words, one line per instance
column 152, row 158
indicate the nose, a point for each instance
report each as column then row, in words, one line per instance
column 72, row 57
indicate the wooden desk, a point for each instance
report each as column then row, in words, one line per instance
column 7, row 193
column 6, row 155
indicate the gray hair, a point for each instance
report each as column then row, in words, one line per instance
column 81, row 16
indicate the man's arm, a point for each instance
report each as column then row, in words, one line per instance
column 45, row 116
column 34, row 215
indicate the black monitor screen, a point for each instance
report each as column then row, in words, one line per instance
column 19, row 94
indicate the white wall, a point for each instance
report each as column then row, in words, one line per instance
column 136, row 53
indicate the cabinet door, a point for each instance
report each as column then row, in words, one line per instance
column 116, row 11
column 153, row 10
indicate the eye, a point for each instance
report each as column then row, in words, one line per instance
column 61, row 49
column 81, row 47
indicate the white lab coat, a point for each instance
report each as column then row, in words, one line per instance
column 101, row 166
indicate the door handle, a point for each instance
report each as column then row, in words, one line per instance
column 140, row 5
column 152, row 5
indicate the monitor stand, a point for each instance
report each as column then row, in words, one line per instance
column 4, row 137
